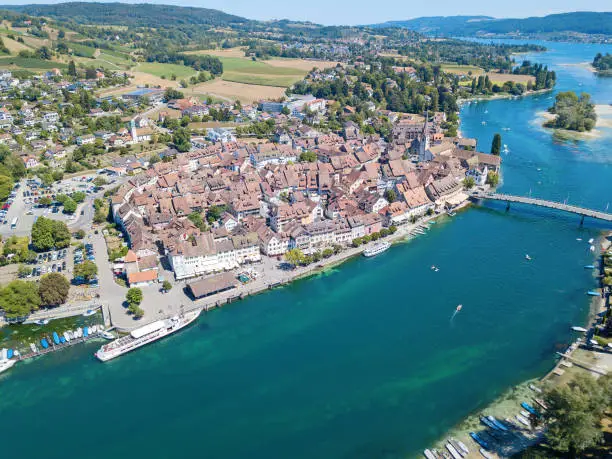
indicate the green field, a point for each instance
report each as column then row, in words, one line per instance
column 159, row 70
column 81, row 50
column 462, row 69
column 27, row 63
column 248, row 71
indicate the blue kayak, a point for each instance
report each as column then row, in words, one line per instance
column 44, row 343
column 592, row 293
column 85, row 331
column 9, row 354
column 479, row 440
column 56, row 339
column 529, row 408
column 62, row 339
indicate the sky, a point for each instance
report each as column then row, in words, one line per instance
column 351, row 12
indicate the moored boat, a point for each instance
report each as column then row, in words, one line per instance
column 145, row 335
column 536, row 388
column 44, row 343
column 454, row 453
column 593, row 293
column 485, row 454
column 523, row 420
column 85, row 332
column 107, row 335
column 429, row 455
column 5, row 364
column 529, row 408
column 498, row 423
column 589, row 267
column 479, row 440
column 33, row 347
column 89, row 312
column 579, row 329
column 376, row 249
column 42, row 322
column 67, row 336
column 56, row 339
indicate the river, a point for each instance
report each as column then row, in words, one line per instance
column 364, row 360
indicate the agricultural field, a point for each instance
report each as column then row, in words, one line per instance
column 495, row 77
column 243, row 70
column 230, row 52
column 158, row 70
column 30, row 64
column 229, row 90
column 14, row 46
column 462, row 69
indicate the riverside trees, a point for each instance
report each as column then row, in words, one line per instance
column 573, row 112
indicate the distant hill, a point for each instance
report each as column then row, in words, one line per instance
column 129, row 14
column 588, row 23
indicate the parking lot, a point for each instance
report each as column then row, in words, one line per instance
column 21, row 210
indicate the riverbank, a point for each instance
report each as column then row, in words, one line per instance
column 575, row 359
column 503, row 96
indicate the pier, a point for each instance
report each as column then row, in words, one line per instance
column 508, row 198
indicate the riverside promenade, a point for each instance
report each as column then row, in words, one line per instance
column 270, row 276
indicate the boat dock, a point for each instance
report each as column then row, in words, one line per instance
column 55, row 347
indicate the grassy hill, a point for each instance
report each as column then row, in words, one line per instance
column 145, row 15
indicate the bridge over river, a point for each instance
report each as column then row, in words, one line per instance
column 508, row 198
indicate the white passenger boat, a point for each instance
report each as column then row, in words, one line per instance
column 145, row 335
column 375, row 249
column 579, row 329
column 5, row 364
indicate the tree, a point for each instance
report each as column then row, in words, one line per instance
column 53, row 289
column 78, row 196
column 80, row 234
column 308, row 157
column 492, row 178
column 390, row 195
column 24, row 271
column 285, row 110
column 72, row 68
column 134, row 296
column 6, row 186
column 167, row 285
column 87, row 270
column 182, row 139
column 197, row 220
column 45, row 201
column 99, row 181
column 70, row 206
column 496, row 144
column 19, row 298
column 294, row 257
column 575, row 412
column 469, row 183
column 136, row 311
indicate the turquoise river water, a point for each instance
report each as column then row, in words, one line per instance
column 362, row 361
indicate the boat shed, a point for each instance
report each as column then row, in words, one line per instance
column 211, row 285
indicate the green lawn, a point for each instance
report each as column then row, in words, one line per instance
column 27, row 63
column 248, row 71
column 157, row 69
column 462, row 69
column 240, row 65
column 262, row 80
column 81, row 50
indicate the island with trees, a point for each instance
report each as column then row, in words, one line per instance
column 572, row 112
column 603, row 64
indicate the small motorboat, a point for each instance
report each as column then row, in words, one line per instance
column 589, row 267
column 591, row 240
column 535, row 388
column 33, row 347
column 592, row 248
column 62, row 339
column 453, row 451
column 479, row 440
column 579, row 329
column 529, row 408
column 540, row 402
column 108, row 335
column 89, row 312
column 459, row 307
column 42, row 322
column 433, row 267
column 485, row 454
column 579, row 239
column 67, row 336
column 527, row 257
column 523, row 420
column 44, row 343
column 56, row 339
column 525, row 413
column 429, row 454
column 593, row 293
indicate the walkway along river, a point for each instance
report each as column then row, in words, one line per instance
column 362, row 360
